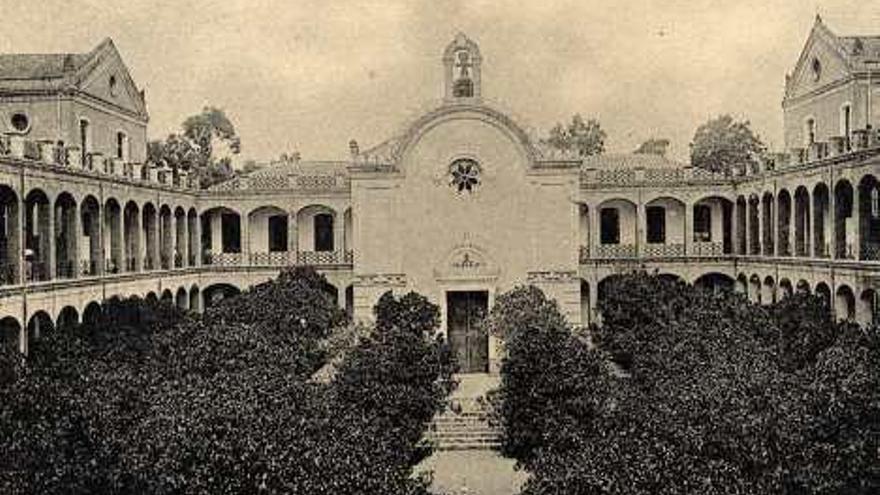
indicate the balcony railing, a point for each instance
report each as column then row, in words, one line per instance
column 870, row 252
column 274, row 258
column 64, row 269
column 653, row 250
column 325, row 257
column 707, row 249
column 223, row 259
column 88, row 267
column 37, row 271
column 604, row 251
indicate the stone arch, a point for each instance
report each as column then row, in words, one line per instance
column 131, row 228
column 37, row 235
column 10, row 332
column 268, row 228
column 482, row 113
column 618, row 227
column 195, row 299
column 67, row 319
column 869, row 218
column 10, row 236
column 167, row 297
column 755, row 289
column 181, row 299
column 90, row 223
column 754, row 225
column 845, row 303
column 66, row 236
column 665, row 224
column 113, row 236
column 150, row 236
column 742, row 284
column 166, row 237
column 585, row 305
column 181, row 247
column 822, row 227
column 843, row 207
column 40, row 324
column 785, row 288
column 318, row 229
column 712, row 218
column 740, row 209
column 803, row 287
column 92, row 313
column 824, row 292
column 215, row 293
column 222, row 235
column 783, row 223
column 715, row 282
column 768, row 290
column 151, row 298
column 867, row 310
column 194, row 251
column 767, row 208
column 802, row 221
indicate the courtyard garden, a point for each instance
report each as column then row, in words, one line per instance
column 272, row 391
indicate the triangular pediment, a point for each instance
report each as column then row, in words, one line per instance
column 106, row 77
column 822, row 61
column 466, row 261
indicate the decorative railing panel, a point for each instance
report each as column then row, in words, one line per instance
column 708, row 249
column 616, row 251
column 870, row 252
column 325, row 257
column 223, row 259
column 663, row 250
column 278, row 258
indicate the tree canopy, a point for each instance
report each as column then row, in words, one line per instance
column 583, row 138
column 195, row 148
column 726, row 146
column 653, row 146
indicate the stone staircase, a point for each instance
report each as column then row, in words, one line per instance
column 465, row 423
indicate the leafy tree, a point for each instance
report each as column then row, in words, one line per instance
column 724, row 145
column 717, row 396
column 653, row 146
column 196, row 147
column 578, row 137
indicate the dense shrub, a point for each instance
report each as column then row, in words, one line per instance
column 716, row 395
column 152, row 401
column 545, row 368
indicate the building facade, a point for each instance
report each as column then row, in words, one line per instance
column 460, row 205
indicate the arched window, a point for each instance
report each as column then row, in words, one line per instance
column 464, row 85
column 277, row 233
column 324, row 232
column 702, row 223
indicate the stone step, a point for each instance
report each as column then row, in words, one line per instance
column 469, row 446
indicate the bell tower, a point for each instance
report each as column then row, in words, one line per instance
column 461, row 62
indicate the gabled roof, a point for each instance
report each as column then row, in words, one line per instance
column 623, row 161
column 53, row 72
column 853, row 52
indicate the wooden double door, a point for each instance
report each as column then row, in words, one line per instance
column 465, row 311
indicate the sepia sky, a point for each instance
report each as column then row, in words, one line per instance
column 310, row 75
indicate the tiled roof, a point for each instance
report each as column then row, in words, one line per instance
column 861, row 48
column 617, row 161
column 47, row 71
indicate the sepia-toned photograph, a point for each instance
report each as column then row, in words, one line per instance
column 463, row 247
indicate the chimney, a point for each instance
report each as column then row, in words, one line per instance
column 354, row 148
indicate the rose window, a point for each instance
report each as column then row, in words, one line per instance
column 465, row 175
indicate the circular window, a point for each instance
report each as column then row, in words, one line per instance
column 817, row 69
column 112, row 85
column 464, row 175
column 20, row 122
